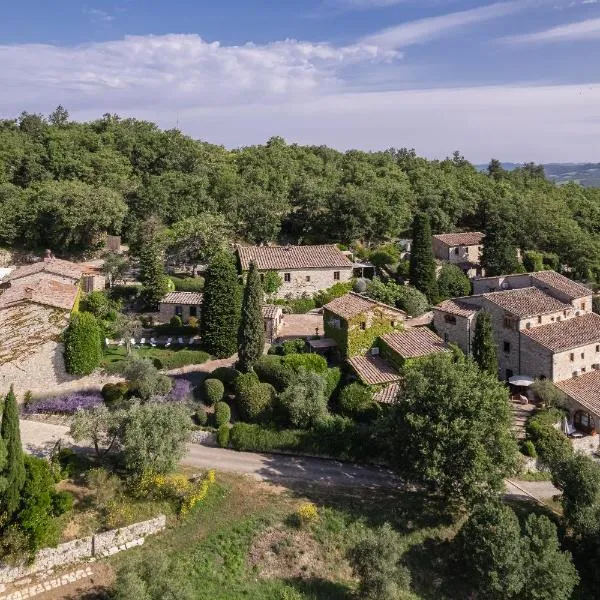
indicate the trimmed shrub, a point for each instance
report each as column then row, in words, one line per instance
column 223, row 436
column 176, row 321
column 254, row 400
column 332, row 381
column 337, row 290
column 313, row 363
column 296, row 346
column 270, row 369
column 528, row 449
column 193, row 322
column 356, row 401
column 62, row 502
column 113, row 393
column 188, row 284
column 214, row 390
column 200, row 417
column 222, row 413
column 247, row 437
column 83, row 345
column 181, row 358
column 226, row 375
column 552, row 446
column 300, row 306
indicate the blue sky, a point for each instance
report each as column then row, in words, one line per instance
column 516, row 79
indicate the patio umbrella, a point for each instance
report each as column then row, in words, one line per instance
column 521, row 380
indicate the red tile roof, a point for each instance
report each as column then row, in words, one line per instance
column 373, row 370
column 351, row 304
column 278, row 258
column 43, row 291
column 182, row 298
column 388, row 394
column 413, row 343
column 55, row 266
column 468, row 238
column 584, row 389
column 526, row 302
column 559, row 282
column 271, row 311
column 458, row 307
column 564, row 335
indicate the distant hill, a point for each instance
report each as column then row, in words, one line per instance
column 587, row 174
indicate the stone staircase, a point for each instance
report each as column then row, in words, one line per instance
column 521, row 412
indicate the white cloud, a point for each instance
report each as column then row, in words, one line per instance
column 239, row 95
column 581, row 30
column 95, row 14
column 423, row 30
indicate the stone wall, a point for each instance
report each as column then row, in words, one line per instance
column 583, row 359
column 309, row 281
column 101, row 544
column 455, row 330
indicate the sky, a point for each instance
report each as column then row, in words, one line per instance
column 518, row 80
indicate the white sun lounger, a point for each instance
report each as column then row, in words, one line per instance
column 181, row 342
column 142, row 341
column 121, row 343
column 107, row 341
column 168, row 342
column 153, row 342
column 132, row 340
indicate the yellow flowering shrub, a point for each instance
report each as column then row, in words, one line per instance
column 117, row 514
column 307, row 513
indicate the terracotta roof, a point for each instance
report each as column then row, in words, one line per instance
column 293, row 257
column 388, row 394
column 563, row 284
column 567, row 334
column 458, row 307
column 271, row 311
column 56, row 266
column 182, row 298
column 526, row 302
column 43, row 291
column 412, row 343
column 352, row 304
column 584, row 389
column 373, row 370
column 468, row 238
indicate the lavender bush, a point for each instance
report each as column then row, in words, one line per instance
column 66, row 405
column 181, row 391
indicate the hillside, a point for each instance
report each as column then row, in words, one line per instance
column 586, row 174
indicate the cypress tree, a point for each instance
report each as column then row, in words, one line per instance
column 152, row 273
column 484, row 345
column 422, row 263
column 220, row 315
column 251, row 335
column 499, row 256
column 14, row 470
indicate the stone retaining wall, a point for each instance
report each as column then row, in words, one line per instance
column 204, row 438
column 101, row 544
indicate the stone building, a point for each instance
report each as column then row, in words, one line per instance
column 542, row 324
column 304, row 270
column 180, row 304
column 273, row 320
column 354, row 322
column 461, row 249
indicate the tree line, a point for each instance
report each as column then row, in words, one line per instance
column 64, row 184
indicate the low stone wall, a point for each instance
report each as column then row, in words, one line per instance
column 101, row 544
column 204, row 438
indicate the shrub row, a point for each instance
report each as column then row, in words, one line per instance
column 188, row 284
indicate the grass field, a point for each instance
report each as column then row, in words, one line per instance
column 170, row 358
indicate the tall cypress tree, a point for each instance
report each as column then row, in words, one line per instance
column 251, row 335
column 484, row 344
column 14, row 470
column 220, row 315
column 422, row 263
column 499, row 256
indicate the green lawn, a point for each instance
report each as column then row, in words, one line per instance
column 170, row 358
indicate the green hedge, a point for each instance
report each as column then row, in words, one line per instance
column 213, row 391
column 83, row 345
column 222, row 414
column 223, row 436
column 188, row 284
column 180, row 358
column 226, row 375
column 311, row 362
column 270, row 369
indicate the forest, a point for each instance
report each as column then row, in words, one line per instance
column 64, row 184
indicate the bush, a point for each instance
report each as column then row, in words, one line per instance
column 528, row 449
column 254, row 438
column 83, row 345
column 360, row 285
column 313, row 363
column 226, row 375
column 176, row 321
column 337, row 290
column 412, row 301
column 305, row 400
column 114, row 393
column 296, row 346
column 223, row 436
column 62, row 502
column 200, row 417
column 552, row 446
column 300, row 306
column 145, row 380
column 181, row 358
column 193, row 322
column 332, row 381
column 356, row 401
column 188, row 284
column 222, row 414
column 214, row 390
column 254, row 399
column 305, row 514
column 270, row 369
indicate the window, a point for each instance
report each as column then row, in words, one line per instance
column 393, row 323
column 287, row 277
column 445, row 338
column 450, row 319
column 336, row 275
column 507, row 347
column 509, row 322
column 558, row 318
column 552, row 319
column 583, row 306
column 509, row 373
column 583, row 369
column 528, row 325
column 262, row 277
column 193, row 311
column 564, row 313
column 179, row 310
column 308, row 278
column 456, row 250
column 363, row 325
column 572, row 357
column 539, row 320
column 583, row 355
column 597, row 347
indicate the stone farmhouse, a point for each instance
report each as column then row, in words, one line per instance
column 180, row 304
column 542, row 322
column 372, row 337
column 461, row 249
column 304, row 270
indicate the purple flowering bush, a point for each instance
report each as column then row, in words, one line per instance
column 64, row 404
column 180, row 392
